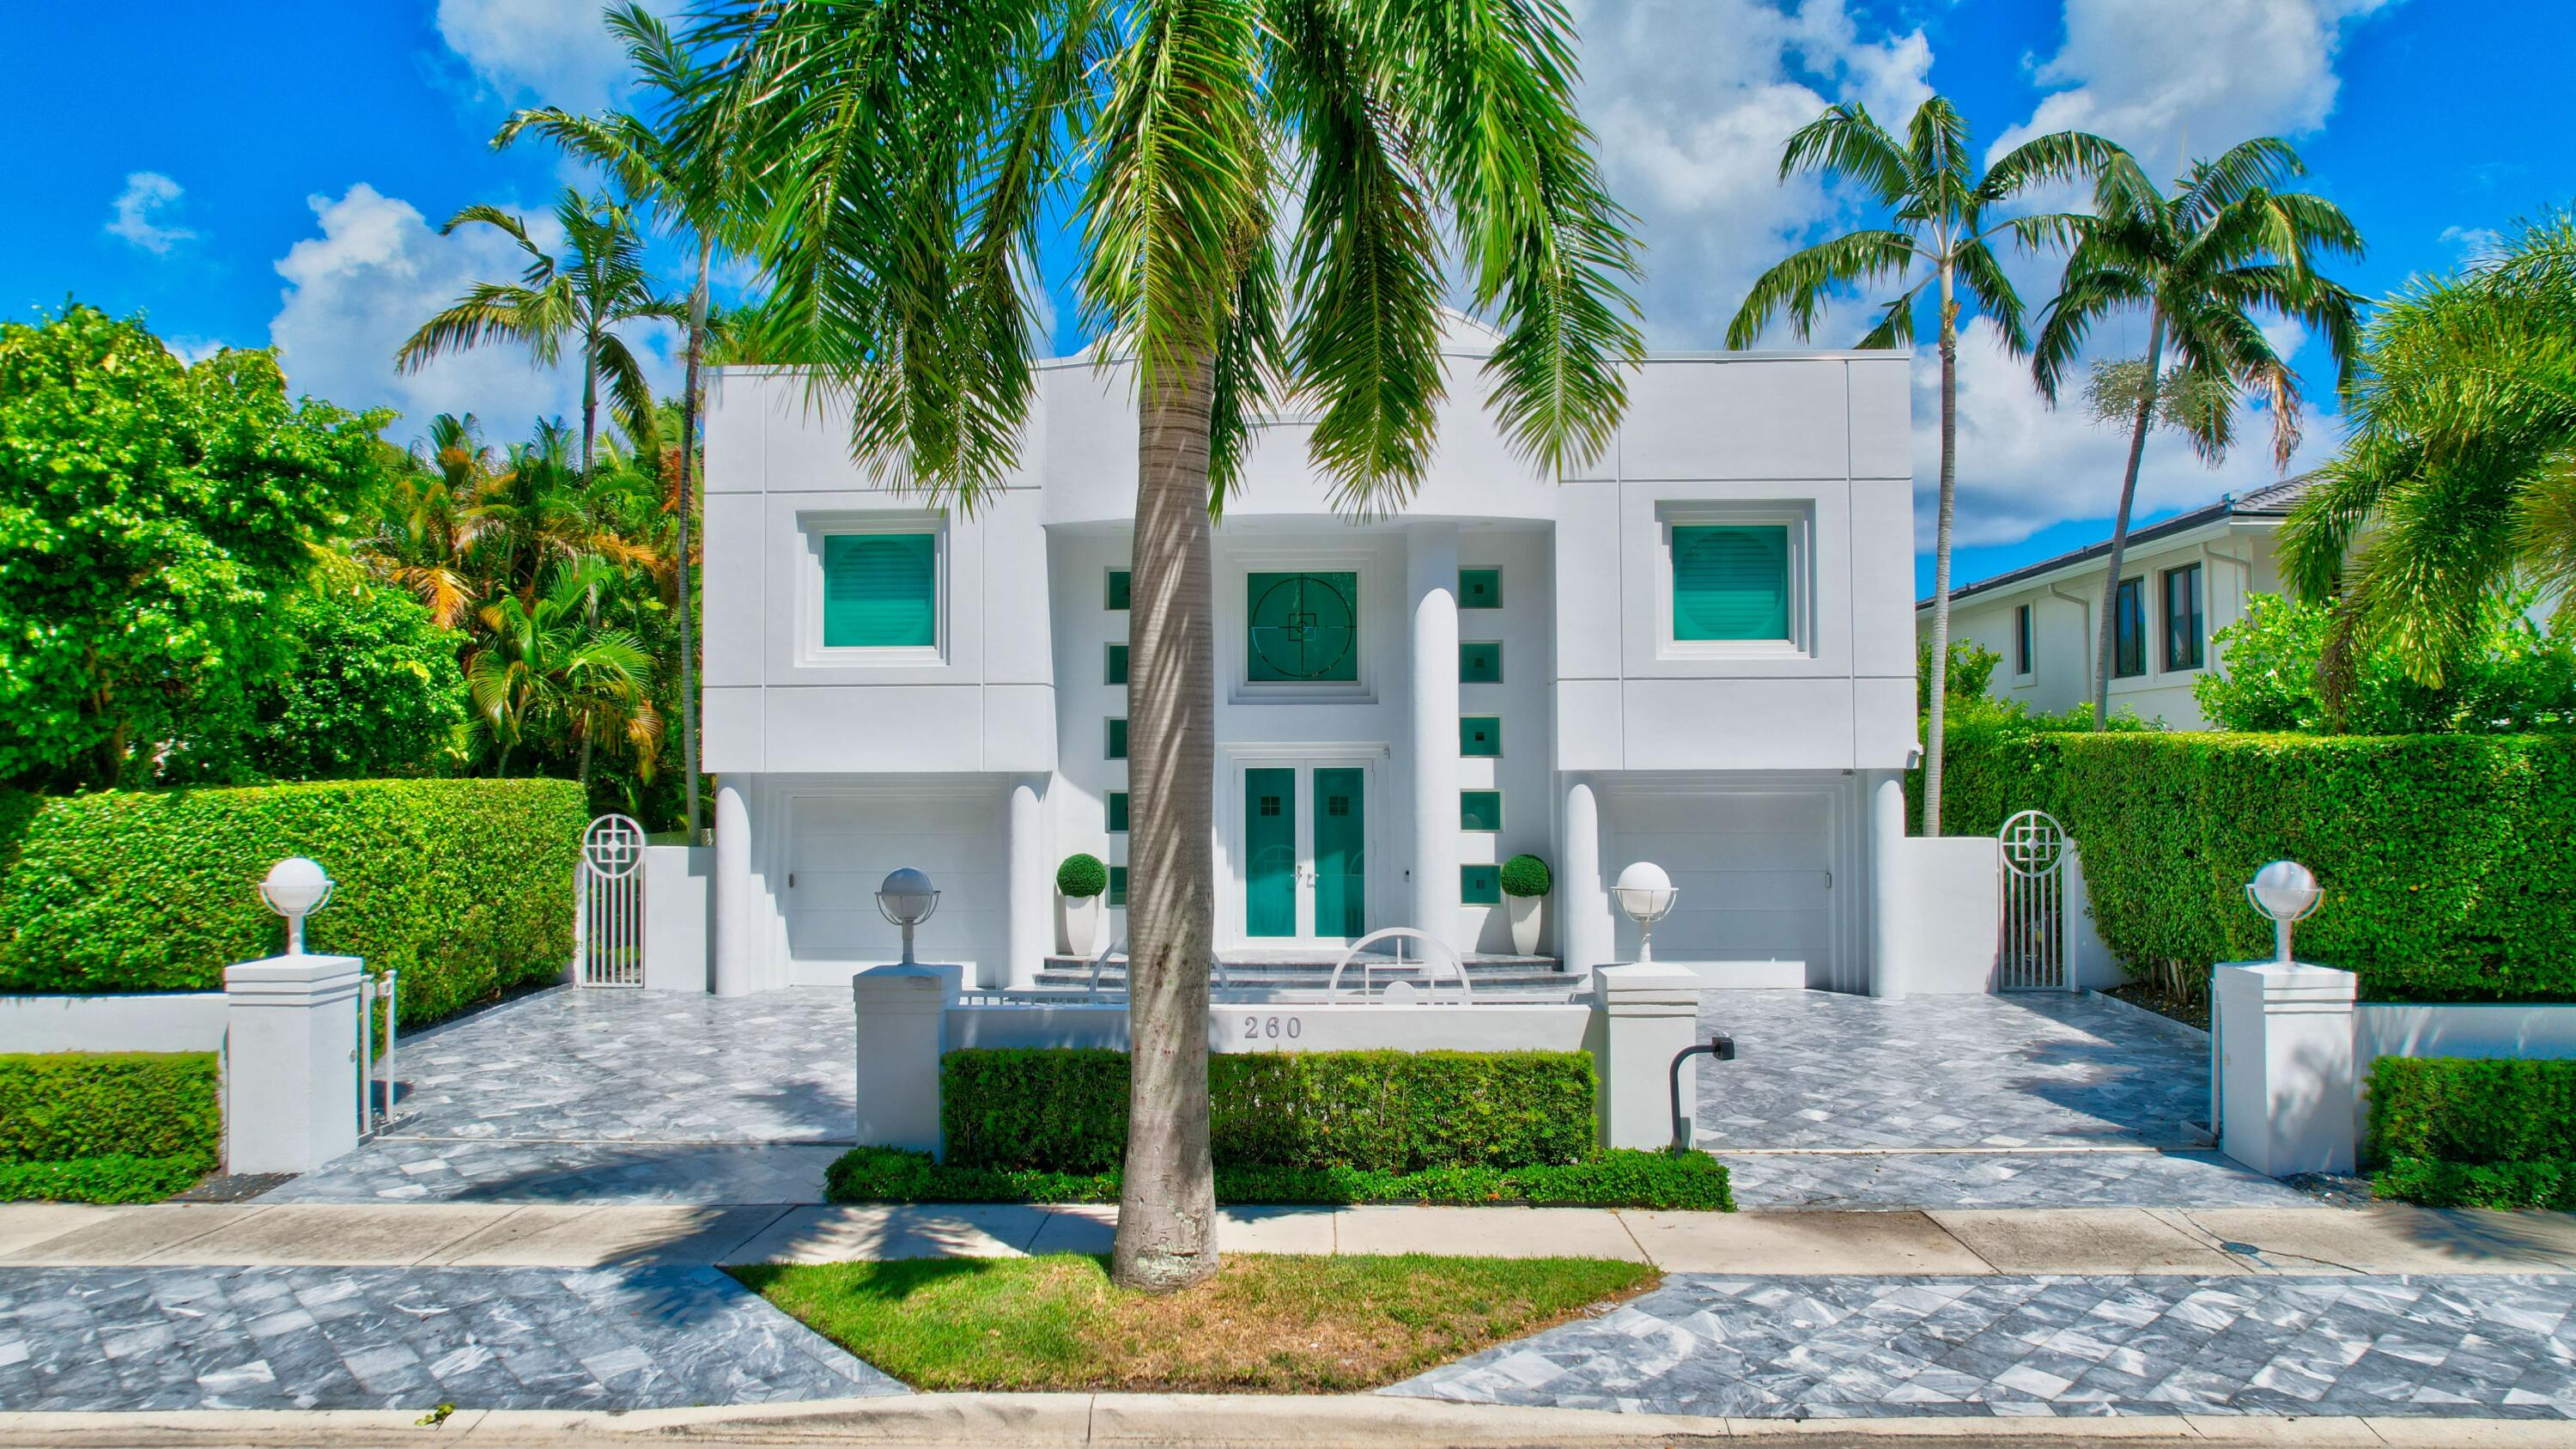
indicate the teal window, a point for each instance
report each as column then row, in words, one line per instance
column 1117, row 664
column 1480, row 885
column 1118, row 582
column 1117, row 885
column 1480, row 735
column 1730, row 582
column 880, row 590
column 1480, row 809
column 1303, row 627
column 1118, row 739
column 1480, row 661
column 1117, row 812
column 1480, row 588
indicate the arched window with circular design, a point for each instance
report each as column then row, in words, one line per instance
column 1303, row 627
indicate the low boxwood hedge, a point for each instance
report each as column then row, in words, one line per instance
column 63, row 1105
column 1623, row 1178
column 1059, row 1110
column 113, row 1179
column 465, row 886
column 2467, row 1132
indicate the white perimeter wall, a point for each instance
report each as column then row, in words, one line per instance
column 177, row 1021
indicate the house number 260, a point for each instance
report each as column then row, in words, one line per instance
column 1255, row 1028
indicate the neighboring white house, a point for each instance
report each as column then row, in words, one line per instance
column 1694, row 651
column 2183, row 579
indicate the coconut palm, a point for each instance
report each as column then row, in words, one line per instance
column 2205, row 260
column 541, row 665
column 1936, row 246
column 2458, row 480
column 1261, row 188
column 598, row 284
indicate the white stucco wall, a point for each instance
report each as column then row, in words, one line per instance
column 159, row 1021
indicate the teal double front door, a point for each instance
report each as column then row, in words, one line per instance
column 1305, row 853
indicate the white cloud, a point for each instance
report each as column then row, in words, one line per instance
column 558, row 52
column 2472, row 243
column 192, row 350
column 133, row 215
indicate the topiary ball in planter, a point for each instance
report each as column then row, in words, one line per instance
column 1527, row 875
column 1083, row 876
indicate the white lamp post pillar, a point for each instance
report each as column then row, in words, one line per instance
column 1585, row 932
column 738, row 904
column 1431, row 574
column 1031, row 932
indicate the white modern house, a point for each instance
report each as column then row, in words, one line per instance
column 1694, row 651
column 2182, row 580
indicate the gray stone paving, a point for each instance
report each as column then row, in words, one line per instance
column 405, row 1338
column 2002, row 1180
column 403, row 1170
column 2492, row 1346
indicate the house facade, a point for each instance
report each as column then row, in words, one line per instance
column 2182, row 580
column 1693, row 652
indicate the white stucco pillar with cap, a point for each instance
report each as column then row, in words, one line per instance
column 1032, row 930
column 2287, row 1074
column 1431, row 577
column 1585, row 931
column 737, row 894
column 290, row 1062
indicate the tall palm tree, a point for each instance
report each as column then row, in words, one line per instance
column 542, row 664
column 1261, row 187
column 2459, row 477
column 1937, row 244
column 2225, row 245
column 597, row 285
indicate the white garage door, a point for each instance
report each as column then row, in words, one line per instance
column 842, row 846
column 1757, row 869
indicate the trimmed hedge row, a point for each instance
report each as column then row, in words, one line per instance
column 1057, row 1110
column 2449, row 861
column 1627, row 1177
column 59, row 1106
column 465, row 886
column 114, row 1179
column 2467, row 1132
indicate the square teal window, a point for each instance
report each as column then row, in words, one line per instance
column 1118, row 739
column 1480, row 885
column 1302, row 628
column 1117, row 812
column 1117, row 664
column 1480, row 661
column 880, row 590
column 1480, row 809
column 1730, row 583
column 1117, row 885
column 1480, row 588
column 1480, row 735
column 1118, row 583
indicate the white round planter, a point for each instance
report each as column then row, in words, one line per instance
column 1525, row 922
column 1081, row 923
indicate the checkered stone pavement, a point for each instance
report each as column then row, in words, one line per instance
column 1814, row 1347
column 396, row 1169
column 2001, row 1180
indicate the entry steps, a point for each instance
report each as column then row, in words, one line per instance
column 1494, row 975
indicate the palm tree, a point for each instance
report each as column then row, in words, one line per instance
column 544, row 665
column 2203, row 260
column 598, row 285
column 1936, row 244
column 2459, row 477
column 1261, row 187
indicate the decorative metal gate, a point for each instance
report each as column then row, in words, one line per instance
column 610, row 949
column 2035, row 957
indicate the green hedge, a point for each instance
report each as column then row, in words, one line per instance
column 64, row 1105
column 1062, row 1110
column 2449, row 861
column 116, row 1179
column 1623, row 1178
column 2458, row 1109
column 2422, row 1180
column 465, row 886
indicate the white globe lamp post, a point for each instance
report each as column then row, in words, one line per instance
column 906, row 898
column 295, row 888
column 2284, row 891
column 1646, row 894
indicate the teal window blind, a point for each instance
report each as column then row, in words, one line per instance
column 1480, row 661
column 1480, row 885
column 1118, row 885
column 1118, row 585
column 1730, row 582
column 880, row 590
column 1117, row 812
column 1117, row 664
column 1118, row 739
column 1480, row 735
column 1480, row 588
column 1480, row 809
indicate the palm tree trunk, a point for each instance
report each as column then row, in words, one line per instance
column 589, row 400
column 1167, row 1202
column 1939, row 687
column 2108, row 635
column 688, row 457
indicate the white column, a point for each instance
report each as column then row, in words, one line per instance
column 2287, row 1078
column 1585, row 932
column 1643, row 1015
column 739, row 907
column 899, row 1037
column 290, row 1062
column 1886, row 884
column 1031, row 931
column 1431, row 572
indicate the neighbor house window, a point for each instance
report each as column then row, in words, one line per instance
column 1480, row 885
column 2182, row 617
column 2129, row 630
column 1117, row 664
column 1480, row 809
column 1118, row 582
column 1303, row 627
column 1117, row 812
column 2025, row 657
column 1480, row 734
column 1480, row 661
column 880, row 590
column 1730, row 582
column 1480, row 588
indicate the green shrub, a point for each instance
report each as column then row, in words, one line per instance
column 2459, row 1109
column 465, row 886
column 61, row 1105
column 2550, row 1184
column 2449, row 861
column 1383, row 1111
column 1527, row 875
column 1623, row 1178
column 116, row 1179
column 1081, row 877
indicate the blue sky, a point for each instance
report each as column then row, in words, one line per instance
column 273, row 173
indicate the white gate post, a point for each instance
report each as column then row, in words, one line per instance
column 899, row 1018
column 2286, row 1071
column 1642, row 1016
column 290, row 1062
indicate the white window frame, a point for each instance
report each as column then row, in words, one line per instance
column 814, row 528
column 1234, row 647
column 1798, row 518
column 2026, row 618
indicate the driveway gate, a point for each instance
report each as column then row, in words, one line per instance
column 2035, row 957
column 609, row 950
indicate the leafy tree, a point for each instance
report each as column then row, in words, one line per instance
column 151, row 516
column 1262, row 188
column 2511, row 676
column 1937, row 247
column 542, row 667
column 2205, row 260
column 371, row 689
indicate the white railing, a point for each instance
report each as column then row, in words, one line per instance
column 1439, row 968
column 2034, row 934
column 372, row 990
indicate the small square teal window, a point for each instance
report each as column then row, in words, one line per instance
column 1118, row 582
column 880, row 590
column 1118, row 812
column 1480, row 809
column 1480, row 735
column 1480, row 588
column 1480, row 661
column 1480, row 885
column 1117, row 885
column 1730, row 583
column 1117, row 664
column 1118, row 739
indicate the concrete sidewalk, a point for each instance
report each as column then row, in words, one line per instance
column 2210, row 1241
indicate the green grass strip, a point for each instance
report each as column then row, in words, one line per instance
column 1622, row 1178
